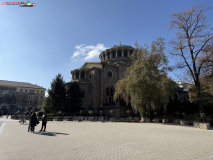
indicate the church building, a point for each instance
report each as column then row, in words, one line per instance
column 97, row 79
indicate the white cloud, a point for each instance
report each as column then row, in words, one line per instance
column 88, row 52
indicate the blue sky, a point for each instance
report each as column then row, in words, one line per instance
column 36, row 43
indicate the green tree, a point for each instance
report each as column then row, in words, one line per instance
column 56, row 101
column 146, row 81
column 192, row 43
column 74, row 96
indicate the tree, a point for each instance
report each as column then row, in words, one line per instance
column 191, row 43
column 74, row 95
column 56, row 101
column 146, row 81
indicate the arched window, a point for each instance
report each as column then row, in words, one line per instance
column 113, row 54
column 77, row 75
column 82, row 74
column 119, row 53
column 125, row 53
column 111, row 91
column 109, row 73
column 107, row 91
column 108, row 55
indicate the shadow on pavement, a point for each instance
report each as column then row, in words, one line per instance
column 49, row 133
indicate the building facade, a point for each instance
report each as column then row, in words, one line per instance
column 97, row 80
column 20, row 96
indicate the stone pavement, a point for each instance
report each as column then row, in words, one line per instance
column 104, row 141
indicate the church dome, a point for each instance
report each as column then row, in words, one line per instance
column 120, row 46
column 119, row 52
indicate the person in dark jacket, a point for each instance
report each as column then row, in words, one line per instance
column 33, row 121
column 44, row 122
column 30, row 120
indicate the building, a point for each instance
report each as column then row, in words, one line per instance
column 20, row 96
column 97, row 79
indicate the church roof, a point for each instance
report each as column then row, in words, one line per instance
column 120, row 62
column 83, row 68
column 121, row 46
column 19, row 84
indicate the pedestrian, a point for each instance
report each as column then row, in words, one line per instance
column 29, row 127
column 74, row 118
column 7, row 115
column 44, row 122
column 33, row 121
column 23, row 116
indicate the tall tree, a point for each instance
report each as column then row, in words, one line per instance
column 74, row 96
column 192, row 39
column 56, row 101
column 146, row 81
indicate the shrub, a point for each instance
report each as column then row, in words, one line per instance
column 40, row 113
column 184, row 115
column 155, row 113
column 177, row 114
column 90, row 112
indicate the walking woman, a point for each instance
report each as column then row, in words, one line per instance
column 33, row 121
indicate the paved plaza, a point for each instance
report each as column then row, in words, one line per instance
column 104, row 141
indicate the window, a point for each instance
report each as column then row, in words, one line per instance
column 109, row 73
column 125, row 53
column 111, row 91
column 110, row 99
column 21, row 90
column 108, row 55
column 26, row 90
column 105, row 57
column 37, row 91
column 77, row 75
column 41, row 91
column 90, row 76
column 82, row 74
column 119, row 54
column 130, row 53
column 107, row 91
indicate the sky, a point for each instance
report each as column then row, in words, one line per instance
column 37, row 43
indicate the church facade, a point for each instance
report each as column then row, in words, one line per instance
column 20, row 96
column 97, row 79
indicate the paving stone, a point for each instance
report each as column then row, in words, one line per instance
column 104, row 141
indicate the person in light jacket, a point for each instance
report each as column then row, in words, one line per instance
column 44, row 122
column 22, row 117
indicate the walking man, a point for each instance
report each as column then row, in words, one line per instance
column 44, row 122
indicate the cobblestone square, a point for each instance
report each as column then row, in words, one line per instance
column 104, row 141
